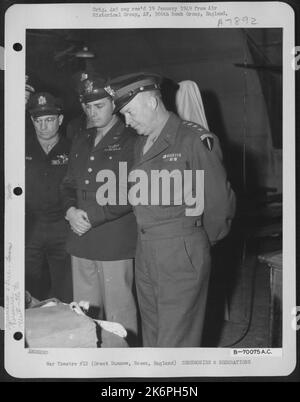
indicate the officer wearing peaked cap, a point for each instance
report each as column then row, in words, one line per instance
column 174, row 240
column 77, row 126
column 123, row 89
column 102, row 254
column 29, row 91
column 47, row 153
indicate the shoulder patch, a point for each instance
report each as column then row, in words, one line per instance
column 208, row 140
column 206, row 137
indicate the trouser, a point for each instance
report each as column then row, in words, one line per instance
column 47, row 264
column 107, row 285
column 172, row 275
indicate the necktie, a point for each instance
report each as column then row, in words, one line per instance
column 98, row 137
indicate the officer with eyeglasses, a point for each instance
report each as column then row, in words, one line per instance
column 47, row 264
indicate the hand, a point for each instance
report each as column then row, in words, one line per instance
column 78, row 220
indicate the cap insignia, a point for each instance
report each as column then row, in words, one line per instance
column 88, row 86
column 83, row 77
column 42, row 100
column 110, row 91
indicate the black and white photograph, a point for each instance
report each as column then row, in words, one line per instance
column 147, row 211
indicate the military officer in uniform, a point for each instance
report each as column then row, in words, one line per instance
column 29, row 91
column 102, row 254
column 78, row 126
column 174, row 241
column 47, row 153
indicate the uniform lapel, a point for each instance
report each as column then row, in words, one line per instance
column 41, row 151
column 164, row 140
column 111, row 137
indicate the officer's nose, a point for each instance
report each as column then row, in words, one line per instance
column 92, row 110
column 43, row 124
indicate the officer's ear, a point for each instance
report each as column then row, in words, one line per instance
column 152, row 101
column 32, row 119
column 60, row 119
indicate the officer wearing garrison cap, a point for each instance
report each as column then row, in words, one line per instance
column 47, row 264
column 102, row 255
column 174, row 237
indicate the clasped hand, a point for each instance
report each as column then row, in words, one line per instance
column 79, row 221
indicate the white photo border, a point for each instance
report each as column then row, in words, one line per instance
column 25, row 363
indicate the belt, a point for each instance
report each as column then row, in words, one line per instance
column 169, row 229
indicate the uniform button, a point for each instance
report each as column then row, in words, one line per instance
column 92, row 158
column 90, row 170
column 110, row 157
column 87, row 181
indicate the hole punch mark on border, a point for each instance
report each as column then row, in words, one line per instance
column 18, row 336
column 18, row 191
column 17, row 47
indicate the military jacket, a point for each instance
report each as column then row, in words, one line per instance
column 186, row 146
column 113, row 233
column 44, row 174
column 76, row 127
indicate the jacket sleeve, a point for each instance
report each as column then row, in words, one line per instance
column 219, row 198
column 99, row 214
column 68, row 186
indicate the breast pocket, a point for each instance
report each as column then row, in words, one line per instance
column 112, row 155
column 167, row 180
column 78, row 163
column 117, row 160
column 170, row 165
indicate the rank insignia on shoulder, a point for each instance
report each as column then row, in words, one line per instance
column 192, row 125
column 208, row 141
